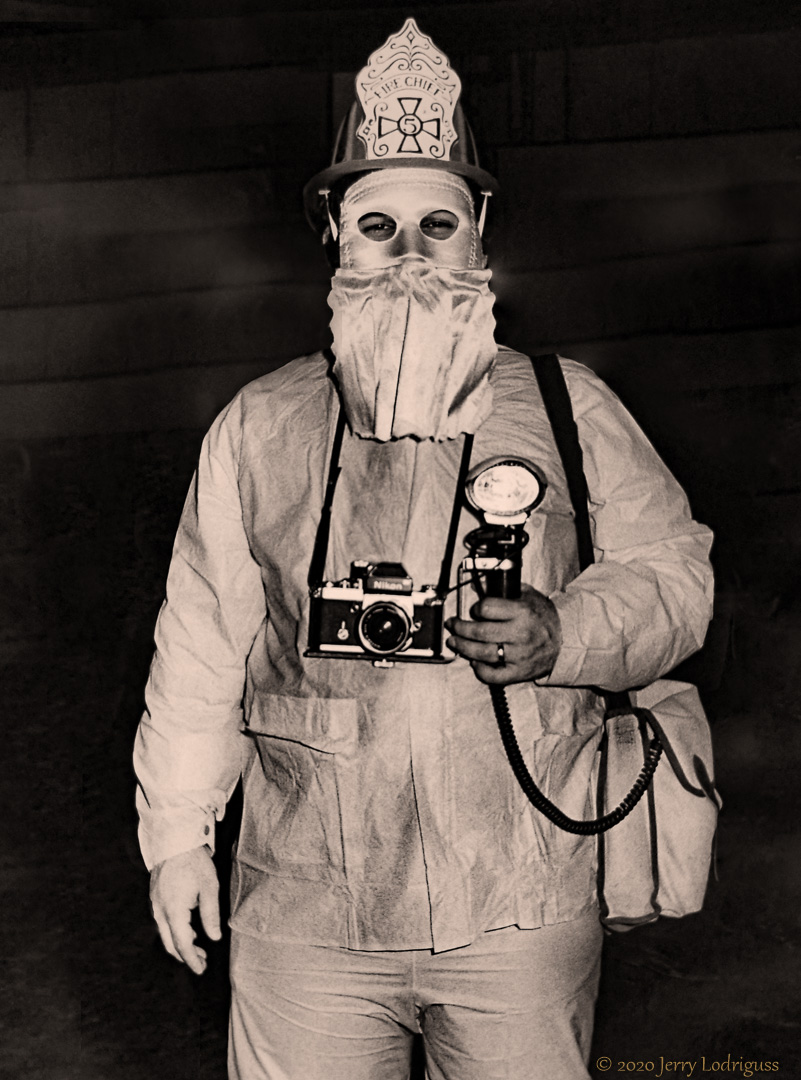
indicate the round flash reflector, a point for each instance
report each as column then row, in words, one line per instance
column 505, row 489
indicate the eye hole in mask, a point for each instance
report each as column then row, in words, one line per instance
column 439, row 225
column 378, row 227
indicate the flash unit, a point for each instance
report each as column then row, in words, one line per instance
column 505, row 489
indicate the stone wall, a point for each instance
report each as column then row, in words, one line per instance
column 155, row 255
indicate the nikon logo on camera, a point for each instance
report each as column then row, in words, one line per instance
column 386, row 577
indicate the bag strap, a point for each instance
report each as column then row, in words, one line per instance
column 559, row 409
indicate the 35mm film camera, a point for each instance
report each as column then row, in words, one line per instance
column 377, row 614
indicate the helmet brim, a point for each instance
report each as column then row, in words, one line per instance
column 314, row 201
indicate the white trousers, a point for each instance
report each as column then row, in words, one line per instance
column 513, row 1005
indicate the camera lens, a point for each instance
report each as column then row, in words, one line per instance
column 384, row 628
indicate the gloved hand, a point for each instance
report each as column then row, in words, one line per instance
column 177, row 886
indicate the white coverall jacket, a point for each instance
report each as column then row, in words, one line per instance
column 380, row 811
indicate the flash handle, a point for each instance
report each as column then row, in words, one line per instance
column 503, row 545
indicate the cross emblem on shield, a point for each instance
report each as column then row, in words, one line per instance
column 410, row 126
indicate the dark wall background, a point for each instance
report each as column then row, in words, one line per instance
column 154, row 257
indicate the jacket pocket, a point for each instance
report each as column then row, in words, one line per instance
column 326, row 724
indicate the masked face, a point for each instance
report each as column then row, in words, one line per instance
column 412, row 326
column 394, row 214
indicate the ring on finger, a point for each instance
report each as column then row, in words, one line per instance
column 501, row 660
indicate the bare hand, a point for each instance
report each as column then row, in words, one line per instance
column 528, row 629
column 177, row 886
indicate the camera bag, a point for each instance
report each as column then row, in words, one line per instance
column 654, row 785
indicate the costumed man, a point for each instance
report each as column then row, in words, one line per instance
column 390, row 876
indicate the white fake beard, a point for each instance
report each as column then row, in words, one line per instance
column 414, row 349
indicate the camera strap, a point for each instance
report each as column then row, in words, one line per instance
column 320, row 552
column 443, row 585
